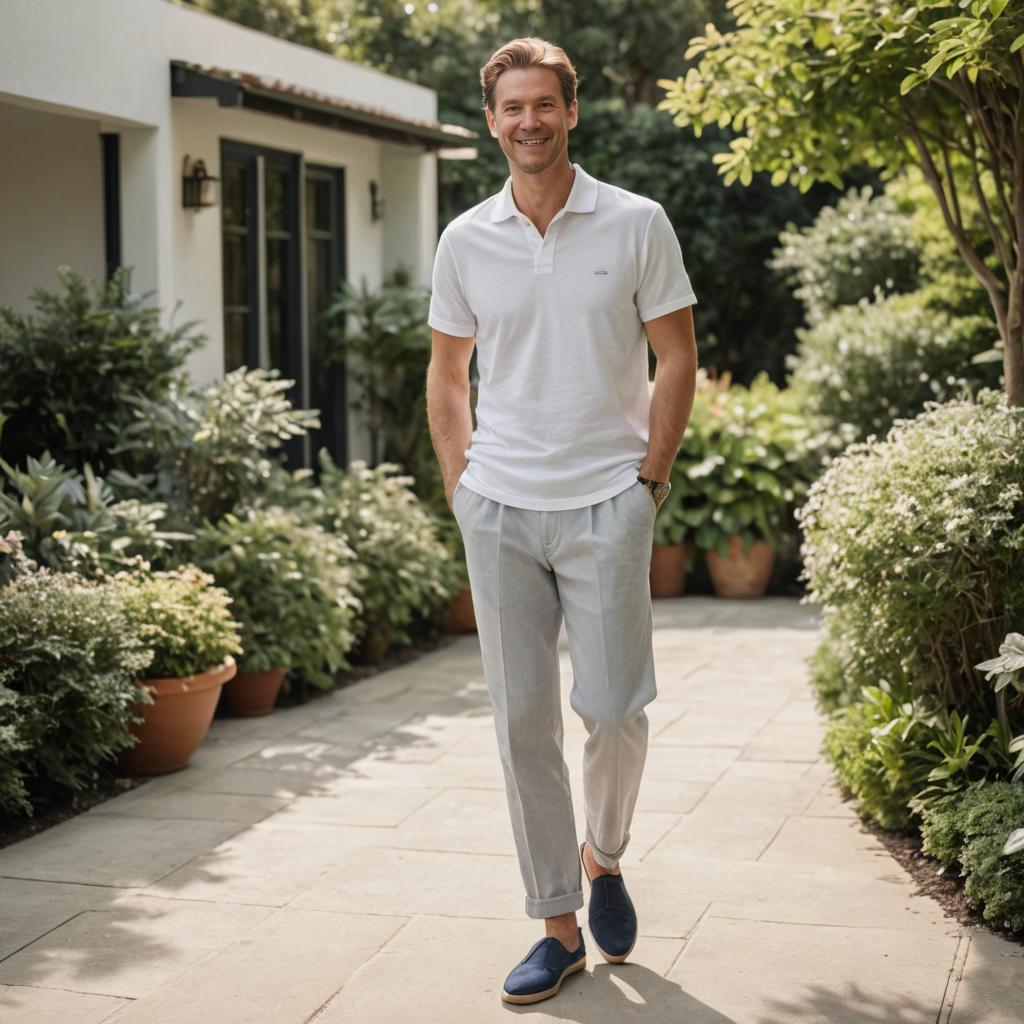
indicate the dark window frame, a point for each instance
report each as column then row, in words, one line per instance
column 333, row 433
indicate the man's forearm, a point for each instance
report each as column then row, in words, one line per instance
column 451, row 425
column 675, row 381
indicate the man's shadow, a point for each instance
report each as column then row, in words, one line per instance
column 620, row 993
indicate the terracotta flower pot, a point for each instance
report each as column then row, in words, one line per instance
column 253, row 693
column 738, row 575
column 668, row 569
column 462, row 618
column 176, row 723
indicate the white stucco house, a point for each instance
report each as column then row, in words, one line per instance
column 325, row 170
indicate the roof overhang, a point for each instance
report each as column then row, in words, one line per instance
column 282, row 99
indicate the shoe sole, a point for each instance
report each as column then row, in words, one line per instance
column 534, row 997
column 608, row 956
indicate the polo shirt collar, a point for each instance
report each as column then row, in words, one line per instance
column 582, row 197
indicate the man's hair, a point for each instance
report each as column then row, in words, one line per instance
column 528, row 52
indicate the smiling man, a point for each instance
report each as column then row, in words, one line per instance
column 557, row 280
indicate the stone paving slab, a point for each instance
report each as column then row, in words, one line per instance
column 293, row 962
column 468, row 987
column 53, row 1006
column 821, row 974
column 351, row 860
column 988, row 987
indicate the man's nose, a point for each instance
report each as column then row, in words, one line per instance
column 530, row 119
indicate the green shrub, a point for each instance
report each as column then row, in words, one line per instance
column 972, row 827
column 915, row 542
column 831, row 665
column 862, row 243
column 292, row 589
column 182, row 617
column 68, row 373
column 868, row 364
column 217, row 449
column 899, row 755
column 741, row 468
column 13, row 560
column 1006, row 674
column 410, row 576
column 69, row 661
column 73, row 522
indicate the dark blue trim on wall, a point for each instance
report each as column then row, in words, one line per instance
column 111, row 142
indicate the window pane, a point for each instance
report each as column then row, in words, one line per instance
column 318, row 204
column 233, row 192
column 235, row 291
column 277, row 198
column 235, row 330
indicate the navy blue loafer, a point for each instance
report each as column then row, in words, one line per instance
column 541, row 972
column 611, row 915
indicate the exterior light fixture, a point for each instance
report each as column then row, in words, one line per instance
column 197, row 187
column 376, row 203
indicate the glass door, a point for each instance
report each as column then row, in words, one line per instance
column 262, row 255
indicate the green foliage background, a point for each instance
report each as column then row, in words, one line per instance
column 620, row 51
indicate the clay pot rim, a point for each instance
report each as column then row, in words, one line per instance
column 198, row 681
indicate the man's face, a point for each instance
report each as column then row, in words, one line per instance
column 530, row 120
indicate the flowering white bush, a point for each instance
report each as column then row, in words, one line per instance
column 915, row 544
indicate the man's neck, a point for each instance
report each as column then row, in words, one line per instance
column 541, row 196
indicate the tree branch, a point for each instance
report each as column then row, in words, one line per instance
column 1005, row 255
column 967, row 250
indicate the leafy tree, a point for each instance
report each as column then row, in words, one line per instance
column 622, row 47
column 298, row 21
column 814, row 90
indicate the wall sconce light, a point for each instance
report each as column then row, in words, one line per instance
column 197, row 187
column 376, row 203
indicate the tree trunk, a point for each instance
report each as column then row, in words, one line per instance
column 1013, row 340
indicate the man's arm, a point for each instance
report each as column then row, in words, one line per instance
column 675, row 381
column 448, row 412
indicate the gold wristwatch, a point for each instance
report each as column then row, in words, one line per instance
column 657, row 488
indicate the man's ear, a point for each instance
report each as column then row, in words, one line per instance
column 492, row 127
column 573, row 113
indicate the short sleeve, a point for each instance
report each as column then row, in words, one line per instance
column 663, row 285
column 449, row 311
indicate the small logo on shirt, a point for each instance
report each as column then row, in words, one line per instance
column 600, row 271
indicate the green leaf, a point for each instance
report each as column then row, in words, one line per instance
column 1017, row 43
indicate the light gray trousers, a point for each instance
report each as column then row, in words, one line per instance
column 527, row 569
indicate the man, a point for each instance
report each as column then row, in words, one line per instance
column 556, row 279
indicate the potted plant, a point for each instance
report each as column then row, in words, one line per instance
column 291, row 585
column 739, row 476
column 183, row 618
column 672, row 551
column 459, row 617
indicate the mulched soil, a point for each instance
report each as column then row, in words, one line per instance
column 944, row 885
column 13, row 830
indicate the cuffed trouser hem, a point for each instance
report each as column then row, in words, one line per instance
column 607, row 860
column 555, row 906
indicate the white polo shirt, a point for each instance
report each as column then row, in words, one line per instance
column 563, row 397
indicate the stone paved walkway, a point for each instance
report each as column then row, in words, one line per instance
column 351, row 861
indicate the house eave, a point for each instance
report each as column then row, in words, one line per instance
column 281, row 99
